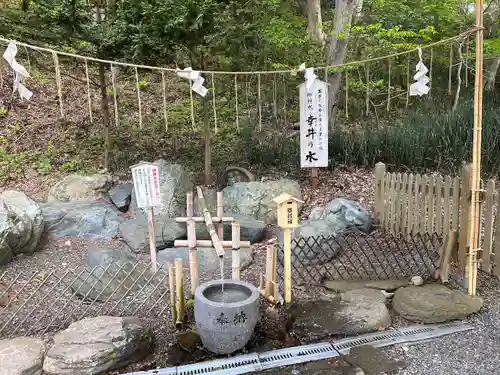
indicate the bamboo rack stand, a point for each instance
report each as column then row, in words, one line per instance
column 215, row 227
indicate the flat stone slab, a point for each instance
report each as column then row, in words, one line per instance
column 340, row 286
column 22, row 356
column 321, row 319
column 434, row 303
column 94, row 345
column 373, row 361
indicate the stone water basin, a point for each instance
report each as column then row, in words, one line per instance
column 226, row 313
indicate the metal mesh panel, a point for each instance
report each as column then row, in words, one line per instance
column 36, row 302
column 359, row 256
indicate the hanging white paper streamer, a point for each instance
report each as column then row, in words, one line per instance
column 20, row 72
column 309, row 75
column 196, row 79
column 420, row 86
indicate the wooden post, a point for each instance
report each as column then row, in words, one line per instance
column 379, row 192
column 287, row 247
column 463, row 240
column 179, row 286
column 476, row 152
column 449, row 246
column 210, row 225
column 193, row 260
column 235, row 228
column 314, row 178
column 220, row 213
column 152, row 239
column 171, row 283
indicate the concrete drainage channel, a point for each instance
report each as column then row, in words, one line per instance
column 307, row 353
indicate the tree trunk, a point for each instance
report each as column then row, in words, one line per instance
column 491, row 73
column 105, row 115
column 337, row 44
column 314, row 21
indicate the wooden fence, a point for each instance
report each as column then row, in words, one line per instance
column 413, row 203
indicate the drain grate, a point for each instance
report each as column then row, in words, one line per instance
column 301, row 354
column 298, row 354
column 237, row 365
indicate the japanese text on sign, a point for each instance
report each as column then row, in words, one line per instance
column 314, row 125
column 146, row 185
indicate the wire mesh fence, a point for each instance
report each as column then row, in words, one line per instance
column 359, row 256
column 35, row 302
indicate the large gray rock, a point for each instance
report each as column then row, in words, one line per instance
column 135, row 233
column 21, row 225
column 208, row 261
column 356, row 314
column 89, row 219
column 94, row 345
column 175, row 182
column 77, row 187
column 254, row 199
column 110, row 275
column 315, row 235
column 121, row 195
column 251, row 229
column 22, row 356
column 434, row 303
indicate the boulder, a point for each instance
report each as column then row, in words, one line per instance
column 251, row 229
column 175, row 182
column 77, row 187
column 109, row 275
column 434, row 303
column 94, row 345
column 89, row 219
column 315, row 236
column 135, row 233
column 121, row 195
column 21, row 225
column 22, row 356
column 254, row 199
column 356, row 314
column 208, row 261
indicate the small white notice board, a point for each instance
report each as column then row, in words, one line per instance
column 146, row 184
column 314, row 125
column 146, row 179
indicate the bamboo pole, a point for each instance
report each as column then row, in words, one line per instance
column 219, row 249
column 476, row 152
column 171, row 284
column 189, row 207
column 193, row 259
column 208, row 243
column 269, row 270
column 220, row 213
column 235, row 236
column 200, row 219
column 179, row 291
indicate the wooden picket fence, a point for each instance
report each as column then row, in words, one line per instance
column 413, row 203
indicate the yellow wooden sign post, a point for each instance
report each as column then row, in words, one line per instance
column 288, row 218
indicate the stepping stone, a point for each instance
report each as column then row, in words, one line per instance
column 22, row 356
column 373, row 361
column 434, row 303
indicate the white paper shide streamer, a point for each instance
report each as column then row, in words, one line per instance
column 420, row 86
column 309, row 76
column 20, row 73
column 196, row 80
